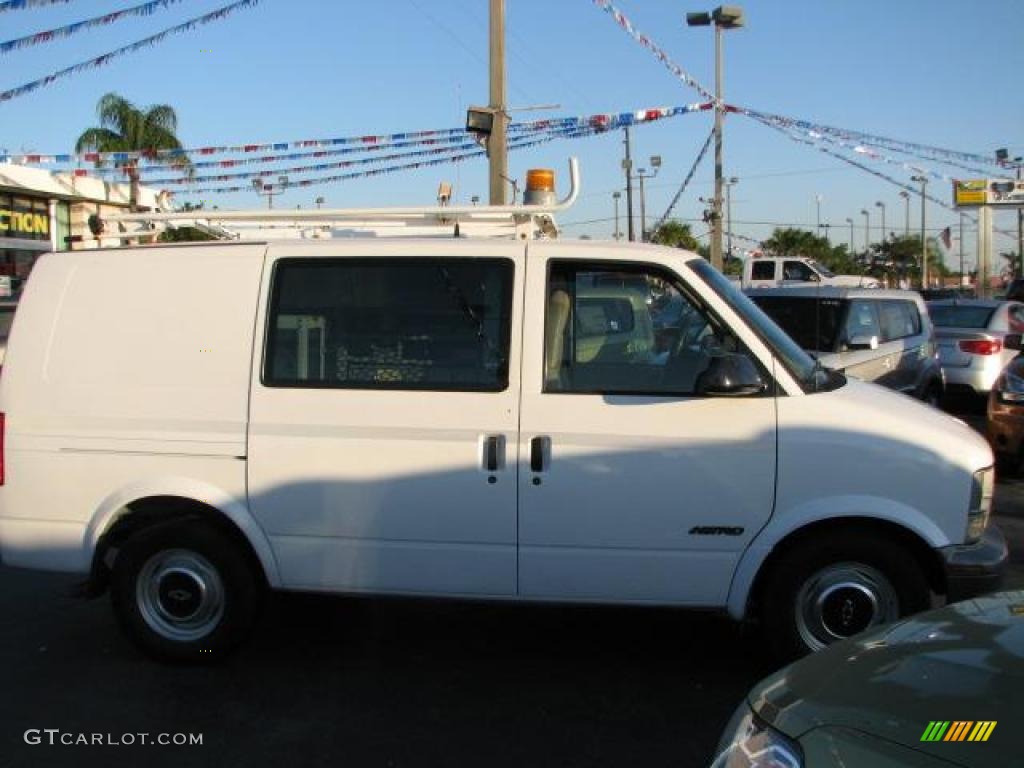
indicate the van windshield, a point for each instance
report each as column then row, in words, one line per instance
column 811, row 376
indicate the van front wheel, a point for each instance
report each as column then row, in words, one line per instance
column 184, row 592
column 829, row 588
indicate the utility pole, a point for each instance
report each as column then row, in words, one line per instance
column 497, row 144
column 728, row 213
column 850, row 222
column 881, row 205
column 627, row 166
column 906, row 212
column 817, row 205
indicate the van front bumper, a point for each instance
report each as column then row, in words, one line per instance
column 975, row 569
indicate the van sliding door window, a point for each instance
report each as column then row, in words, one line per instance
column 440, row 324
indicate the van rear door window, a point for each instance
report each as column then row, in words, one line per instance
column 403, row 323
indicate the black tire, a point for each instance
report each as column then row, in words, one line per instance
column 184, row 591
column 847, row 570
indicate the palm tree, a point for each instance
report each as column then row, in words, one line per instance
column 126, row 128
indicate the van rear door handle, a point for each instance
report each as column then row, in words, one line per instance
column 537, row 450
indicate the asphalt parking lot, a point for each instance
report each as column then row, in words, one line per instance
column 335, row 681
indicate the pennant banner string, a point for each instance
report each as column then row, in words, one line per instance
column 627, row 26
column 621, row 119
column 106, row 58
column 146, row 9
column 18, row 5
column 922, row 151
column 456, row 158
column 686, row 181
column 874, row 172
column 517, row 141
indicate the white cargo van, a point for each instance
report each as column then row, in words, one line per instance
column 773, row 272
column 514, row 418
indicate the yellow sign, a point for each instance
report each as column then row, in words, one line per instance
column 17, row 223
column 970, row 192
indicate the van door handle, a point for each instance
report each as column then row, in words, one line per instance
column 537, row 446
column 492, row 446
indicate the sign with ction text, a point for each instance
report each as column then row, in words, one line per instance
column 999, row 193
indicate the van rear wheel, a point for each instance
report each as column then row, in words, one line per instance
column 832, row 587
column 183, row 591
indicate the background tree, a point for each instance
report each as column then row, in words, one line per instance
column 675, row 234
column 800, row 242
column 126, row 128
column 898, row 259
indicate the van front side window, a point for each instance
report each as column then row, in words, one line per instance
column 625, row 330
column 403, row 323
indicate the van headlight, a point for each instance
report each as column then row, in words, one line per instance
column 1010, row 388
column 748, row 742
column 982, row 488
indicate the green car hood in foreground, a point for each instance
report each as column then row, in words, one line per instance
column 964, row 662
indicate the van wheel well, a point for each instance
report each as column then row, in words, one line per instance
column 146, row 513
column 918, row 548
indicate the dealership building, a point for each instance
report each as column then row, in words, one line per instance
column 42, row 211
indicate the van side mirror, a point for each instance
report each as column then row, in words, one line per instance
column 862, row 342
column 730, row 375
column 1013, row 341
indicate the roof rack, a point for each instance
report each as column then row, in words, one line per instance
column 532, row 220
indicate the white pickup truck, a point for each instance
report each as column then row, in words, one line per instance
column 773, row 272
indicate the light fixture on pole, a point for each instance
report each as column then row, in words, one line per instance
column 269, row 190
column 923, row 181
column 319, row 202
column 615, row 197
column 867, row 229
column 723, row 17
column 850, row 222
column 906, row 212
column 881, row 205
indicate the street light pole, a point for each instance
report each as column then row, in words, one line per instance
column 641, row 175
column 881, row 205
column 817, row 203
column 627, row 166
column 850, row 222
column 728, row 213
column 867, row 229
column 906, row 212
column 723, row 17
column 923, row 181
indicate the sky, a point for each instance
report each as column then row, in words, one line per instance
column 939, row 72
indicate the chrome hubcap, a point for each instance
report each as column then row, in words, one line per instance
column 180, row 595
column 841, row 600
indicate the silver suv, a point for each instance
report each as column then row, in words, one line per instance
column 876, row 335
